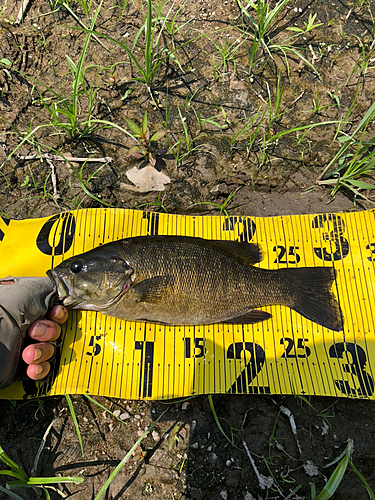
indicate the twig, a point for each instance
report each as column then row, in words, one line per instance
column 314, row 56
column 264, row 482
column 21, row 12
column 292, row 422
column 47, row 156
column 56, row 194
column 298, row 98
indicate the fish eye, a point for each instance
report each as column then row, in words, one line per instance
column 76, row 267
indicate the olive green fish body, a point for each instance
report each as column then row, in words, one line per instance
column 181, row 280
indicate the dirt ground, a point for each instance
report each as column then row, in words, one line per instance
column 213, row 107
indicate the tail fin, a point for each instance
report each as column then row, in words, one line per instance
column 312, row 296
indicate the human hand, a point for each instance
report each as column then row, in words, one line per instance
column 43, row 331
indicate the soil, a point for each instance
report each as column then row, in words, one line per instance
column 194, row 93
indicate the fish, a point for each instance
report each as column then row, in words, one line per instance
column 182, row 280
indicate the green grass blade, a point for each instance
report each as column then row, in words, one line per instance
column 361, row 184
column 9, row 462
column 126, row 458
column 297, row 129
column 216, row 418
column 40, row 449
column 144, row 124
column 9, row 473
column 46, row 493
column 148, row 42
column 337, row 475
column 10, row 494
column 367, row 486
column 33, row 482
column 73, row 414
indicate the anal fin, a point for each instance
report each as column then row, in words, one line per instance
column 252, row 316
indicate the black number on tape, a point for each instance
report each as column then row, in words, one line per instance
column 291, row 350
column 248, row 227
column 96, row 347
column 6, row 222
column 371, row 246
column 293, row 256
column 199, row 349
column 152, row 223
column 334, row 237
column 146, row 368
column 62, row 225
column 252, row 368
column 355, row 367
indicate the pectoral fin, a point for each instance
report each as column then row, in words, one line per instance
column 151, row 290
column 252, row 316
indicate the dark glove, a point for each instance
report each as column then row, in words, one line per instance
column 22, row 301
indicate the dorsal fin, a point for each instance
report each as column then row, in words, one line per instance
column 245, row 253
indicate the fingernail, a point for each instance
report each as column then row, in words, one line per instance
column 38, row 370
column 40, row 331
column 37, row 354
column 60, row 313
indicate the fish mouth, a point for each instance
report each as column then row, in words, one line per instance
column 64, row 292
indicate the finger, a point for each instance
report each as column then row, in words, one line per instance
column 38, row 353
column 58, row 313
column 37, row 372
column 44, row 330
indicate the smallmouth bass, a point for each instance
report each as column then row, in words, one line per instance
column 179, row 280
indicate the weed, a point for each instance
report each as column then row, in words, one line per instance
column 334, row 97
column 355, row 159
column 147, row 148
column 159, row 203
column 174, row 436
column 216, row 205
column 145, row 68
column 22, row 480
column 367, row 52
column 217, row 421
column 75, row 421
column 316, row 106
column 5, row 65
column 64, row 108
column 334, row 481
column 225, row 54
column 126, row 458
column 260, row 19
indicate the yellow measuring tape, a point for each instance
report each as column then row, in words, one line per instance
column 287, row 354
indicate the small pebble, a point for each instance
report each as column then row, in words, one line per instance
column 124, row 416
column 185, row 406
column 195, row 446
column 117, row 413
